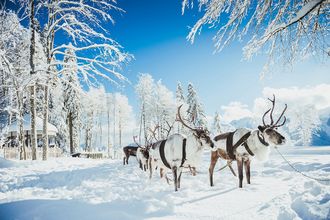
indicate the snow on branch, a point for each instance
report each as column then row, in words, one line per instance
column 83, row 24
column 285, row 29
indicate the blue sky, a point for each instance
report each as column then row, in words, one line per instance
column 154, row 31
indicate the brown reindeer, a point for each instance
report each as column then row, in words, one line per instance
column 243, row 144
column 129, row 151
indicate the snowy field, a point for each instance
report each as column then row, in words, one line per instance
column 76, row 188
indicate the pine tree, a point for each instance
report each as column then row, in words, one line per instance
column 216, row 128
column 179, row 95
column 180, row 99
column 195, row 111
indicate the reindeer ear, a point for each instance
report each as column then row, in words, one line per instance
column 261, row 128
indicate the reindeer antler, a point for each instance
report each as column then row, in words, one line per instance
column 169, row 128
column 263, row 117
column 180, row 119
column 275, row 125
column 271, row 110
column 153, row 132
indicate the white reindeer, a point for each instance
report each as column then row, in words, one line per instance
column 243, row 144
column 178, row 150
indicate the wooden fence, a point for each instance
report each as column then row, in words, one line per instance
column 13, row 152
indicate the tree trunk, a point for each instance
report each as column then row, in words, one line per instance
column 70, row 122
column 141, row 119
column 100, row 125
column 45, row 125
column 109, row 144
column 32, row 89
column 144, row 128
column 20, row 134
column 33, row 123
column 86, row 139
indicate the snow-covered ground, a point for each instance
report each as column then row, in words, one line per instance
column 75, row 188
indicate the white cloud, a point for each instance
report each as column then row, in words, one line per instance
column 317, row 96
column 234, row 111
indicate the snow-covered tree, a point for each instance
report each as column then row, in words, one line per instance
column 216, row 126
column 57, row 113
column 195, row 111
column 303, row 123
column 284, row 29
column 72, row 94
column 14, row 44
column 180, row 100
column 83, row 23
column 145, row 90
column 33, row 95
column 123, row 115
column 179, row 95
column 109, row 108
column 164, row 110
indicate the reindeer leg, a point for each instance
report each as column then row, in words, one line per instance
column 214, row 159
column 124, row 160
column 167, row 179
column 193, row 171
column 161, row 172
column 247, row 170
column 140, row 163
column 240, row 171
column 179, row 179
column 175, row 177
column 150, row 168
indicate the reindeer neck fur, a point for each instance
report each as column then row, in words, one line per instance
column 260, row 150
column 194, row 150
column 194, row 142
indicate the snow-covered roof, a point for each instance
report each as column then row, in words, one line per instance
column 52, row 130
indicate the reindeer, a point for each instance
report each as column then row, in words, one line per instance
column 178, row 151
column 142, row 154
column 129, row 151
column 243, row 144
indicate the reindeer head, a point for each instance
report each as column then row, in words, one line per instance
column 144, row 150
column 269, row 131
column 201, row 134
column 145, row 153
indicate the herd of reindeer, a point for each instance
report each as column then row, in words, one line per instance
column 179, row 151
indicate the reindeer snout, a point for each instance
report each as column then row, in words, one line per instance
column 212, row 144
column 282, row 140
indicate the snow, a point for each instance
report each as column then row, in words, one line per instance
column 77, row 188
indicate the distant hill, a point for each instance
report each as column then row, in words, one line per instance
column 322, row 137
